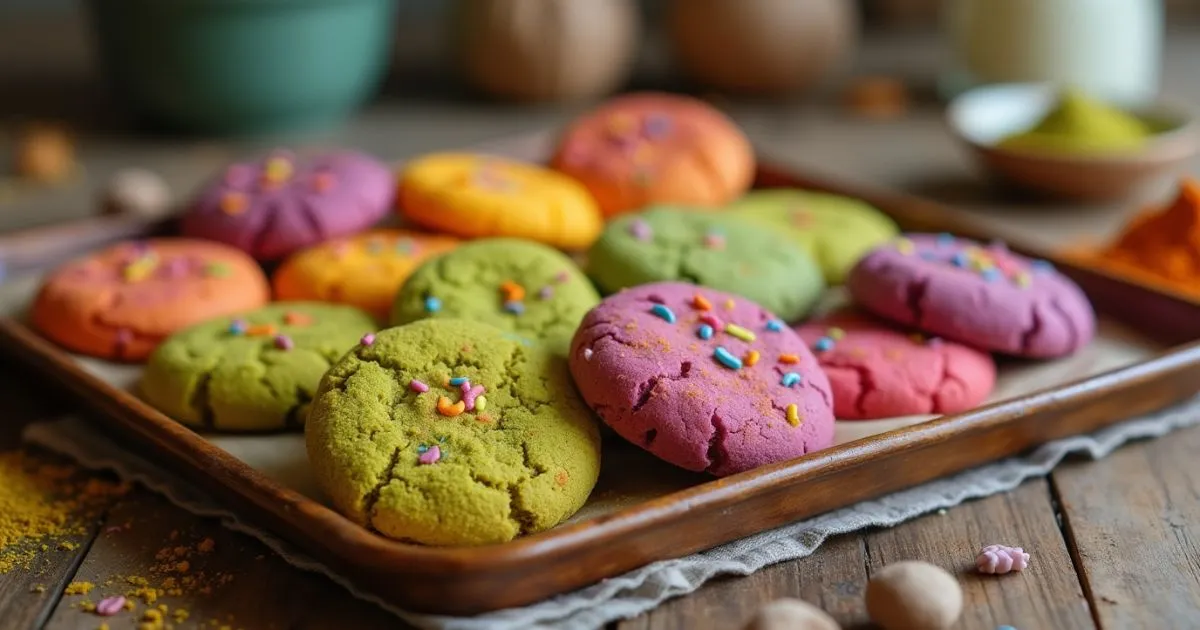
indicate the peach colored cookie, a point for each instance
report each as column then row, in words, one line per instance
column 644, row 149
column 363, row 271
column 119, row 303
column 878, row 371
column 479, row 196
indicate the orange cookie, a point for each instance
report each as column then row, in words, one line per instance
column 645, row 149
column 363, row 271
column 121, row 302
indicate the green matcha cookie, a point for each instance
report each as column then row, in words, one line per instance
column 712, row 250
column 253, row 372
column 836, row 230
column 451, row 432
column 519, row 286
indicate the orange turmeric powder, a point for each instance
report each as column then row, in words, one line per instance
column 1161, row 245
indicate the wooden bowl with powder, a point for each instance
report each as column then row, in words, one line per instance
column 1068, row 146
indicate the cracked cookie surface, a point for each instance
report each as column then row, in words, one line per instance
column 404, row 448
column 712, row 250
column 836, row 230
column 750, row 394
column 878, row 371
column 257, row 371
column 365, row 270
column 983, row 296
column 477, row 196
column 522, row 287
column 281, row 203
column 121, row 302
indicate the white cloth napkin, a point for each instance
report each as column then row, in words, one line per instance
column 642, row 589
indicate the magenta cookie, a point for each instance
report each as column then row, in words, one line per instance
column 284, row 203
column 702, row 379
column 877, row 371
column 983, row 296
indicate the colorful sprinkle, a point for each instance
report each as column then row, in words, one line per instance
column 733, row 330
column 835, row 333
column 418, row 386
column 277, row 170
column 512, row 291
column 793, row 414
column 587, row 354
column 471, row 396
column 701, row 303
column 480, row 403
column 448, row 409
column 712, row 320
column 367, row 339
column 774, row 325
column 323, row 182
column 516, row 308
column 945, row 239
column 432, row 304
column 960, row 260
column 705, row 331
column 562, row 277
column 991, row 274
column 917, row 338
column 1041, row 266
column 405, row 246
column 110, row 606
column 216, row 270
column 641, row 230
column 751, row 358
column 140, row 269
column 714, row 240
column 284, row 342
column 663, row 312
column 233, row 203
column 546, row 292
column 238, row 326
column 729, row 304
column 789, row 359
column 261, row 330
column 790, row 379
column 459, row 380
column 124, row 336
column 296, row 318
column 656, row 126
column 934, row 342
column 421, row 448
column 375, row 246
column 905, row 246
column 1022, row 279
column 928, row 255
column 432, row 455
column 824, row 344
column 725, row 358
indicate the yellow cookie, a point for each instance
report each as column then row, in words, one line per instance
column 477, row 196
column 364, row 270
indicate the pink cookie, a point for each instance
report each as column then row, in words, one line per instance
column 984, row 296
column 284, row 203
column 877, row 371
column 702, row 379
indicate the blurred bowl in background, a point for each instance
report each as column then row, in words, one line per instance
column 242, row 66
column 982, row 117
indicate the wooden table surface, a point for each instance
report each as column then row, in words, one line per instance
column 1115, row 543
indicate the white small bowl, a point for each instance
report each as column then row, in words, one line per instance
column 982, row 117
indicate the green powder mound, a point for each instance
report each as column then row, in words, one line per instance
column 836, row 230
column 523, row 460
column 252, row 372
column 716, row 250
column 1079, row 124
column 471, row 281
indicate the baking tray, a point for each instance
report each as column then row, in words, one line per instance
column 643, row 510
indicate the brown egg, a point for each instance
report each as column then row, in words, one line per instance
column 761, row 46
column 45, row 153
column 791, row 614
column 914, row 595
column 547, row 50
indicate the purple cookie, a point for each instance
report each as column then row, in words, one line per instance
column 283, row 203
column 702, row 379
column 984, row 296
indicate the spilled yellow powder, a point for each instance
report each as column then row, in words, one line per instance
column 41, row 500
column 79, row 588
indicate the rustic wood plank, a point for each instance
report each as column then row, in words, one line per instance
column 1133, row 519
column 1046, row 595
column 832, row 578
column 232, row 578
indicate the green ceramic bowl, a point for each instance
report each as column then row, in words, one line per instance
column 243, row 66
